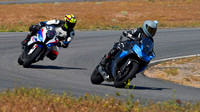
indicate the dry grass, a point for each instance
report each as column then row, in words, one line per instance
column 100, row 15
column 104, row 15
column 183, row 71
column 39, row 100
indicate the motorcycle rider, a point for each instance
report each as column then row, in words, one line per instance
column 64, row 30
column 148, row 30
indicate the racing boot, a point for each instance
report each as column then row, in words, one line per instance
column 51, row 55
column 26, row 40
column 104, row 61
column 107, row 57
column 101, row 68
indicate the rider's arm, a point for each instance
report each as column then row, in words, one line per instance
column 132, row 33
column 37, row 27
column 70, row 35
column 65, row 42
column 54, row 22
column 41, row 24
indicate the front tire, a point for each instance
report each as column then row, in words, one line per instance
column 96, row 77
column 20, row 62
column 131, row 71
column 31, row 58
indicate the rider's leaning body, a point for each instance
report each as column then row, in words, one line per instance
column 64, row 31
column 147, row 31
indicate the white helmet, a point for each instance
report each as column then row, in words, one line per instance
column 150, row 28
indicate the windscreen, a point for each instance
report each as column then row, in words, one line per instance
column 51, row 33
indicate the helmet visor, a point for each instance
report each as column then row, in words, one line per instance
column 69, row 25
column 151, row 30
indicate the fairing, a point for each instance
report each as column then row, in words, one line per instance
column 135, row 50
column 44, row 36
column 45, row 39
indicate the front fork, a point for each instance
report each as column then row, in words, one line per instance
column 122, row 69
column 32, row 49
column 28, row 50
column 128, row 62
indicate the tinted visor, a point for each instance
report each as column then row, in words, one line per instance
column 151, row 30
column 71, row 25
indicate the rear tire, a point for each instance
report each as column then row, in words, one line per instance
column 120, row 83
column 31, row 58
column 96, row 77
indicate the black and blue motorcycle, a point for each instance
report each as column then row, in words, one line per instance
column 133, row 57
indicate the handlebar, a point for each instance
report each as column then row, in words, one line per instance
column 121, row 37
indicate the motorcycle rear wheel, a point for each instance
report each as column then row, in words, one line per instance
column 31, row 58
column 96, row 77
column 130, row 73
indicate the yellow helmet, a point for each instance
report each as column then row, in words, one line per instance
column 70, row 21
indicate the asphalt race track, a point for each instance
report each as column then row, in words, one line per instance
column 71, row 71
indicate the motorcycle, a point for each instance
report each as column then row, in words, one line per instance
column 132, row 58
column 38, row 46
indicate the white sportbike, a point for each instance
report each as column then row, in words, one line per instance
column 38, row 46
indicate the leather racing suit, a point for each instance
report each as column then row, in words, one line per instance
column 64, row 35
column 135, row 34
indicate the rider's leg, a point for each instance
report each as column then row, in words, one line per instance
column 53, row 53
column 111, row 54
column 26, row 40
column 105, row 60
column 33, row 29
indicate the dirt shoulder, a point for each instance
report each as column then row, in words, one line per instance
column 185, row 71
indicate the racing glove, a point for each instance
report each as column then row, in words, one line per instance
column 34, row 28
column 126, row 34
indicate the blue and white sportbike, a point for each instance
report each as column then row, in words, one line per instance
column 133, row 57
column 38, row 46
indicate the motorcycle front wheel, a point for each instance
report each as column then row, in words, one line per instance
column 96, row 77
column 20, row 62
column 124, row 78
column 32, row 57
